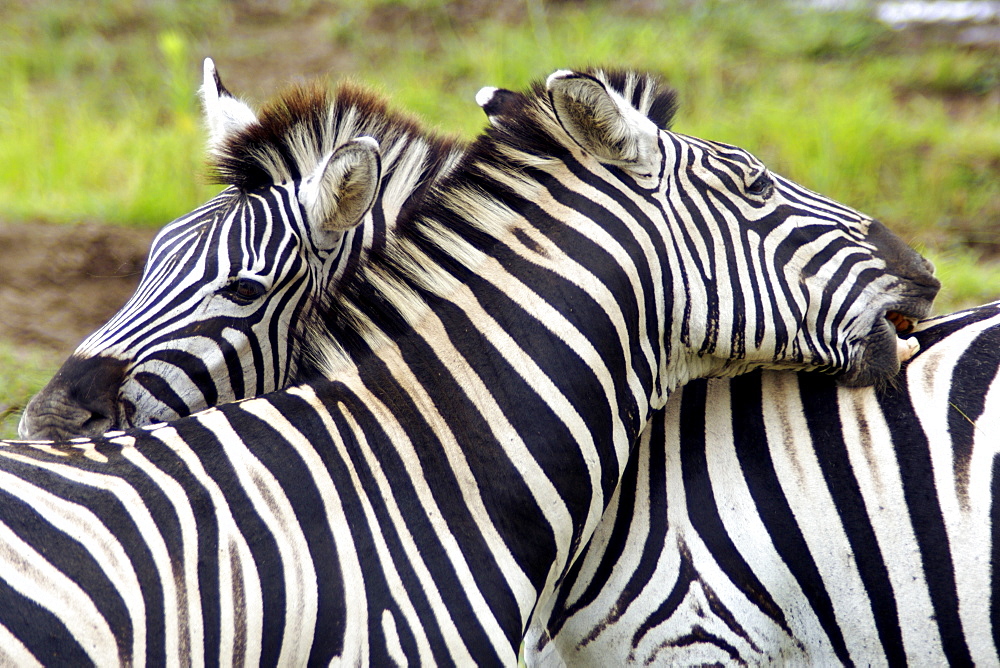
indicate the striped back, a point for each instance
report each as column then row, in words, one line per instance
column 780, row 517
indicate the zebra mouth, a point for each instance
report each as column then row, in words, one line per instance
column 888, row 345
column 904, row 324
column 905, row 348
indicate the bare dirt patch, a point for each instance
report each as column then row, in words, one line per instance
column 58, row 283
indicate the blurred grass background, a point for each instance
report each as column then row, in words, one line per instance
column 99, row 118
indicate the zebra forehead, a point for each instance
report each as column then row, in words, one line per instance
column 296, row 129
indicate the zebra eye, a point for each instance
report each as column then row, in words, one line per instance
column 244, row 290
column 762, row 186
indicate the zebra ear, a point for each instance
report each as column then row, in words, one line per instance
column 224, row 114
column 603, row 123
column 497, row 102
column 342, row 188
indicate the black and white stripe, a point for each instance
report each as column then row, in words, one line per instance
column 230, row 289
column 487, row 374
column 780, row 517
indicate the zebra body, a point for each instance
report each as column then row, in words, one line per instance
column 779, row 517
column 486, row 374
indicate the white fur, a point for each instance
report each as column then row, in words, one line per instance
column 485, row 94
column 224, row 114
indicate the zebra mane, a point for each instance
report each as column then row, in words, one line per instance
column 451, row 229
column 295, row 130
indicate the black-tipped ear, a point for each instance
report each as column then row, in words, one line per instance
column 342, row 189
column 602, row 122
column 497, row 102
column 224, row 114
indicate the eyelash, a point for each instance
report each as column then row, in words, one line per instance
column 244, row 290
column 762, row 186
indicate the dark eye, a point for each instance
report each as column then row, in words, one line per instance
column 762, row 186
column 244, row 290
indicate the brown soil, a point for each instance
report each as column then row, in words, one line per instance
column 58, row 283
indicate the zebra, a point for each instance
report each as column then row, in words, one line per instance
column 484, row 377
column 202, row 330
column 229, row 289
column 633, row 595
column 779, row 517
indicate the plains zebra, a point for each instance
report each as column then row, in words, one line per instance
column 226, row 300
column 229, row 289
column 634, row 594
column 489, row 371
column 779, row 517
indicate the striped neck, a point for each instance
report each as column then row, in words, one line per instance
column 443, row 333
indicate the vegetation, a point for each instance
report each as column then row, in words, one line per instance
column 99, row 120
column 22, row 374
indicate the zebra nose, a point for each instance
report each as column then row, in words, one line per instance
column 904, row 262
column 80, row 400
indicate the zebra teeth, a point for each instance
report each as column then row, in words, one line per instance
column 906, row 349
column 903, row 324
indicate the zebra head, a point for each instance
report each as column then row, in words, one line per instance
column 765, row 272
column 229, row 289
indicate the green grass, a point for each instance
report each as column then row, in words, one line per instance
column 966, row 279
column 910, row 133
column 98, row 121
column 22, row 374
